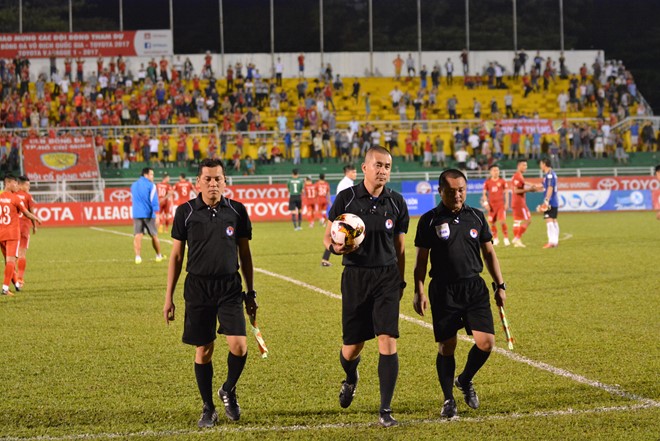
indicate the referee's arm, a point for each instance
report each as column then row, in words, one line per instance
column 247, row 268
column 493, row 265
column 400, row 250
column 173, row 273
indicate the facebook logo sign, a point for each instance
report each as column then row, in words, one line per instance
column 147, row 45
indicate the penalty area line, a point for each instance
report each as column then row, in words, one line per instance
column 331, row 426
column 614, row 390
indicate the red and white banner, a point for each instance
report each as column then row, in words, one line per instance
column 61, row 158
column 87, row 44
column 527, row 126
column 605, row 183
column 85, row 213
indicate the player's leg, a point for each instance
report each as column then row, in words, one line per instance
column 21, row 262
column 501, row 217
column 232, row 324
column 10, row 250
column 492, row 220
column 138, row 232
column 310, row 215
column 388, row 372
column 385, row 317
column 445, row 365
column 155, row 243
column 356, row 328
column 299, row 213
column 479, row 320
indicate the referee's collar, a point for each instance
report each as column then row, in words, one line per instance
column 443, row 210
column 361, row 192
column 198, row 203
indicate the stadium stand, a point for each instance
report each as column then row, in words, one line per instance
column 243, row 114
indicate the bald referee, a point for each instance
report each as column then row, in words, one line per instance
column 372, row 282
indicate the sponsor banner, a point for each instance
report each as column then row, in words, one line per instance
column 85, row 213
column 87, row 44
column 62, row 158
column 605, row 200
column 431, row 187
column 527, row 126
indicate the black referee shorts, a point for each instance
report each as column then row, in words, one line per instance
column 465, row 304
column 209, row 301
column 370, row 303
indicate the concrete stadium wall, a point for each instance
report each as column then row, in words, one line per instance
column 346, row 64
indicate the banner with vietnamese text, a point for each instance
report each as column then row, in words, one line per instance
column 87, row 44
column 61, row 158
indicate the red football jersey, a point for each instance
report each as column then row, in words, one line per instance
column 163, row 190
column 322, row 190
column 28, row 203
column 518, row 200
column 184, row 189
column 310, row 192
column 496, row 189
column 11, row 207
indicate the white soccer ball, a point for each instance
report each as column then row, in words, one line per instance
column 347, row 228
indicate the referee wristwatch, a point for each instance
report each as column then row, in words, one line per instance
column 501, row 286
column 403, row 284
column 252, row 294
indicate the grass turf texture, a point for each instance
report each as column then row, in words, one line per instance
column 85, row 350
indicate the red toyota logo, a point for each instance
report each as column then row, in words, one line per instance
column 120, row 195
column 229, row 194
column 608, row 184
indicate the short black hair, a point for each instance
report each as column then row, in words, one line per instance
column 546, row 161
column 657, row 168
column 146, row 170
column 182, row 176
column 348, row 167
column 493, row 166
column 521, row 160
column 23, row 179
column 450, row 173
column 322, row 176
column 294, row 172
column 210, row 163
column 10, row 177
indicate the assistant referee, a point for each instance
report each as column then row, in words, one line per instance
column 456, row 235
column 217, row 231
column 373, row 278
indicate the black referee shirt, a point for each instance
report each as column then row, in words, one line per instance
column 211, row 235
column 383, row 218
column 455, row 242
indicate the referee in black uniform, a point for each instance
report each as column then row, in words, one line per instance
column 217, row 231
column 372, row 282
column 456, row 236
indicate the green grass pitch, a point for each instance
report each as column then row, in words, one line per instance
column 85, row 352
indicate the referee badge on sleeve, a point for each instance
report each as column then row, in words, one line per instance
column 442, row 231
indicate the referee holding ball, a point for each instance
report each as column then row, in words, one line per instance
column 372, row 281
column 455, row 236
column 217, row 231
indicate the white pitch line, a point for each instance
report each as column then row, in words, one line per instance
column 330, row 426
column 614, row 390
column 512, row 355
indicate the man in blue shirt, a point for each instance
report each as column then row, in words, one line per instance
column 145, row 207
column 550, row 203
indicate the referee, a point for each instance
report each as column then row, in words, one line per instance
column 217, row 231
column 372, row 281
column 456, row 236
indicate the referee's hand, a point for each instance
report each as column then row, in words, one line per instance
column 420, row 303
column 251, row 306
column 168, row 312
